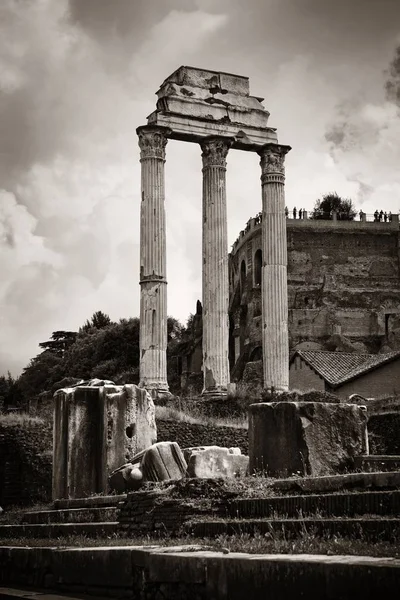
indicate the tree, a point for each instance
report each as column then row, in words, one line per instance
column 106, row 352
column 59, row 341
column 41, row 373
column 331, row 203
column 99, row 320
column 15, row 395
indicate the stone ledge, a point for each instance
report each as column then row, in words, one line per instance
column 333, row 483
column 92, row 502
column 151, row 571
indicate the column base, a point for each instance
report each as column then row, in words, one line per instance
column 276, row 390
column 158, row 393
column 214, row 393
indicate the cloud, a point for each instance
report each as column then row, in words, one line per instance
column 70, row 104
column 76, row 79
column 363, row 139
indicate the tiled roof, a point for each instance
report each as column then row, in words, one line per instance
column 338, row 367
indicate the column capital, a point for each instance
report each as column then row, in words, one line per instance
column 152, row 141
column 215, row 150
column 273, row 162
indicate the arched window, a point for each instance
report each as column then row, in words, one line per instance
column 242, row 276
column 257, row 267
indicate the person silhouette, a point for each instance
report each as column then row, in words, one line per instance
column 294, row 212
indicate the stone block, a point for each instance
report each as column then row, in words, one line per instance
column 202, row 78
column 96, row 429
column 163, row 461
column 305, row 438
column 126, row 478
column 214, row 462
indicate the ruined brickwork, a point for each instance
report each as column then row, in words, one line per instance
column 343, row 288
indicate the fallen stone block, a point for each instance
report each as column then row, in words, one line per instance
column 163, row 461
column 128, row 477
column 213, row 462
column 160, row 462
column 305, row 438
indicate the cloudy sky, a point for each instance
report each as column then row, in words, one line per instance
column 78, row 76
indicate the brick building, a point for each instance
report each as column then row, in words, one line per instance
column 343, row 373
column 343, row 288
column 343, row 291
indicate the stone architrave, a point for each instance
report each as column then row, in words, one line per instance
column 275, row 339
column 153, row 276
column 215, row 267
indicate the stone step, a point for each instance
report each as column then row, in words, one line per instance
column 12, row 593
column 333, row 483
column 369, row 529
column 339, row 504
column 72, row 515
column 92, row 502
column 55, row 530
column 371, row 463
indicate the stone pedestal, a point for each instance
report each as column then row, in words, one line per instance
column 305, row 438
column 215, row 267
column 96, row 429
column 153, row 277
column 275, row 338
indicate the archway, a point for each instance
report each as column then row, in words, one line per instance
column 257, row 267
column 242, row 277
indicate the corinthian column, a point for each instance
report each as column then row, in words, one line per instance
column 153, row 280
column 275, row 337
column 215, row 267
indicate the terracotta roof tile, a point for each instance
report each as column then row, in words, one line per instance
column 338, row 367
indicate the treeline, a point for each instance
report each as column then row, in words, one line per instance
column 100, row 349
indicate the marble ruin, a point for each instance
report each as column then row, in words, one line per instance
column 97, row 426
column 216, row 111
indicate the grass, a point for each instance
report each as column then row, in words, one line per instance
column 18, row 419
column 269, row 543
column 193, row 415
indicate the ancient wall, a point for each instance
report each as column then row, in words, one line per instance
column 191, row 434
column 25, row 462
column 343, row 280
column 384, row 434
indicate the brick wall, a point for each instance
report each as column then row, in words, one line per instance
column 349, row 270
column 384, row 434
column 167, row 507
column 188, row 435
column 26, row 463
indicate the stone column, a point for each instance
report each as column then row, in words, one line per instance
column 215, row 267
column 153, row 280
column 275, row 337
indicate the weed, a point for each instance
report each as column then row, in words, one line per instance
column 19, row 419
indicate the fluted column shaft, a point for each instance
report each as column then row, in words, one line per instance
column 153, row 276
column 275, row 339
column 215, row 267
